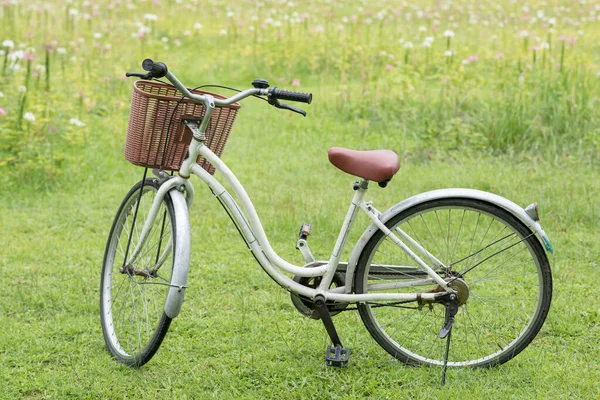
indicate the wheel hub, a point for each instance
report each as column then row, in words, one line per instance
column 461, row 287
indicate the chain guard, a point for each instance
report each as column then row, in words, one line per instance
column 307, row 306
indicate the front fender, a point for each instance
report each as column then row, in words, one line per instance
column 508, row 205
column 181, row 255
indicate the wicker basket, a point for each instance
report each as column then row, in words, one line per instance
column 156, row 137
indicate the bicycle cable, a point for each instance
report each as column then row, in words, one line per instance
column 177, row 106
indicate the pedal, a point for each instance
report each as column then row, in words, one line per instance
column 304, row 232
column 302, row 243
column 337, row 356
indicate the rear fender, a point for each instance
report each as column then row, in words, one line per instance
column 506, row 204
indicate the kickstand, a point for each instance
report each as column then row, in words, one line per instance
column 446, row 357
column 446, row 331
column 336, row 355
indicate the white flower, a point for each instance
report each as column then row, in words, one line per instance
column 151, row 17
column 61, row 50
column 143, row 28
column 16, row 55
column 544, row 46
column 449, row 33
column 422, row 29
column 1, row 95
column 426, row 44
column 229, row 14
column 73, row 12
column 524, row 34
column 197, row 25
column 429, row 39
column 223, row 32
column 408, row 45
column 21, row 89
column 29, row 117
column 165, row 39
column 448, row 53
column 97, row 35
column 76, row 122
column 8, row 43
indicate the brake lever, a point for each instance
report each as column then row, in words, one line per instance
column 275, row 103
column 147, row 76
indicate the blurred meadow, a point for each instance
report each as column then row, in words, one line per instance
column 494, row 95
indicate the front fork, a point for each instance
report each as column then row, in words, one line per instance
column 168, row 183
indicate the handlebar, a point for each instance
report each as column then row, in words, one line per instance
column 155, row 70
column 291, row 96
column 159, row 70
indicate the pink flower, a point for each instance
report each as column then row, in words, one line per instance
column 28, row 56
column 296, row 82
column 472, row 59
column 500, row 55
column 389, row 67
column 2, row 112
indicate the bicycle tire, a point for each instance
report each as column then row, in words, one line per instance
column 134, row 323
column 502, row 263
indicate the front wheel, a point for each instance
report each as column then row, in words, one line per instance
column 497, row 264
column 134, row 287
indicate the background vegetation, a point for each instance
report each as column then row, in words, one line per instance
column 499, row 96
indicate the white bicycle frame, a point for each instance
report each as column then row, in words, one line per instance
column 252, row 230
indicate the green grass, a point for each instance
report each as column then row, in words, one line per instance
column 238, row 335
column 524, row 128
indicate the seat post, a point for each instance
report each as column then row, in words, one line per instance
column 360, row 189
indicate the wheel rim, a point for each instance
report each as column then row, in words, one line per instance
column 133, row 297
column 504, row 273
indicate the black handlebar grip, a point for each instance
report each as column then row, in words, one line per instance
column 291, row 96
column 156, row 69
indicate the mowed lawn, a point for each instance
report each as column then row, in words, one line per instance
column 496, row 96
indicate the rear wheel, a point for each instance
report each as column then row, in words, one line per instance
column 493, row 259
column 133, row 291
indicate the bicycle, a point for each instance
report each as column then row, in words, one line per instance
column 452, row 263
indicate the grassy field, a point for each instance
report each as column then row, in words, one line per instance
column 503, row 98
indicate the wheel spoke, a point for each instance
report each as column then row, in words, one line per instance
column 132, row 301
column 504, row 276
